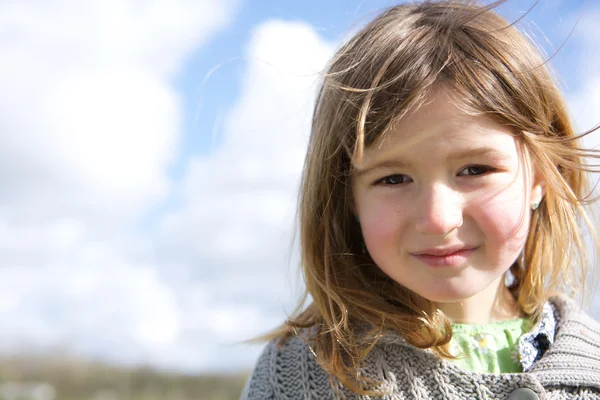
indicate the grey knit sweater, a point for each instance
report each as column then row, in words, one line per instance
column 570, row 369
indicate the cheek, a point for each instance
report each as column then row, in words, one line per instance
column 382, row 225
column 503, row 220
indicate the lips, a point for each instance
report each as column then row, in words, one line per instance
column 443, row 251
column 445, row 256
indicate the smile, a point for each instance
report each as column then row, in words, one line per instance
column 444, row 257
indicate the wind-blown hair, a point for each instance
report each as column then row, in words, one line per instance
column 384, row 71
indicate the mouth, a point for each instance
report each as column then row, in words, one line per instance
column 448, row 256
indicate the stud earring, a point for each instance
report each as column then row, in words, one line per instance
column 535, row 205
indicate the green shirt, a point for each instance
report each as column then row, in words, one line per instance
column 488, row 347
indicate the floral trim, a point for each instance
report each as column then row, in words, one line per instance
column 531, row 346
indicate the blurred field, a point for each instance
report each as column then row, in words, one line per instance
column 61, row 379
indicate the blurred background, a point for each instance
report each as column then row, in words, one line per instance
column 150, row 156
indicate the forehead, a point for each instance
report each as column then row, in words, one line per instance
column 441, row 127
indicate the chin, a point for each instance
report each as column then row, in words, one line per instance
column 449, row 296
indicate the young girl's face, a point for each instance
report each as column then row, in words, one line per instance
column 444, row 201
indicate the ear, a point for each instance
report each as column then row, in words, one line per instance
column 538, row 190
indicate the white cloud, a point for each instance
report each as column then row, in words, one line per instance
column 242, row 197
column 88, row 302
column 89, row 125
column 92, row 124
column 238, row 217
column 89, row 117
column 584, row 101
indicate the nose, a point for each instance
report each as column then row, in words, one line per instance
column 439, row 210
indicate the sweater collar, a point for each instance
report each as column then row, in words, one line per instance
column 574, row 357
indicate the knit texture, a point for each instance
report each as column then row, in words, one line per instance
column 569, row 369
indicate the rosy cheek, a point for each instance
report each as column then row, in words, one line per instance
column 380, row 225
column 376, row 233
column 502, row 219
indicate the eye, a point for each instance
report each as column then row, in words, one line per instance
column 475, row 170
column 395, row 179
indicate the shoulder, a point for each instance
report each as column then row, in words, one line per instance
column 259, row 385
column 575, row 327
column 572, row 318
column 574, row 356
column 287, row 369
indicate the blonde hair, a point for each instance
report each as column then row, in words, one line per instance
column 382, row 72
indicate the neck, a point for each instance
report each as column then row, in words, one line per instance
column 492, row 305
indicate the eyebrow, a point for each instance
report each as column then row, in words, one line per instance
column 457, row 155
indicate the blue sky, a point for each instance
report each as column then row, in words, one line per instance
column 150, row 161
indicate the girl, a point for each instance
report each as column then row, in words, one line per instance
column 440, row 219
